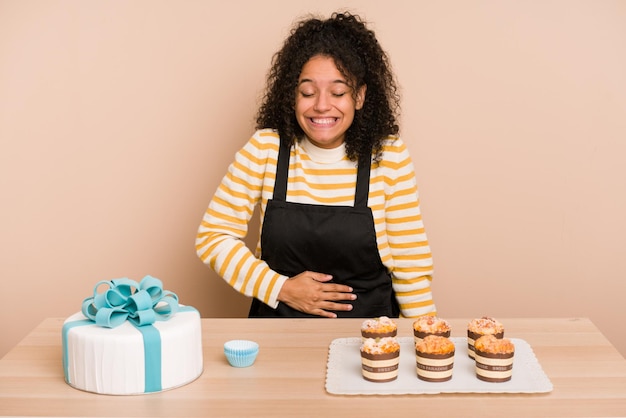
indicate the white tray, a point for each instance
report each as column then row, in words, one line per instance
column 343, row 373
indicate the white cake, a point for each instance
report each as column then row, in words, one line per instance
column 127, row 358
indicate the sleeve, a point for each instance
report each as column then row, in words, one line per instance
column 225, row 223
column 412, row 260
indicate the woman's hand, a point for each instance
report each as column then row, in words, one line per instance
column 308, row 292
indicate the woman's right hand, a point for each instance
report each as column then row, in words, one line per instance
column 308, row 292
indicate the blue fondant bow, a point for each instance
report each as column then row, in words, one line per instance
column 141, row 303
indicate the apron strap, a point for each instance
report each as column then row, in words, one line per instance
column 282, row 173
column 362, row 183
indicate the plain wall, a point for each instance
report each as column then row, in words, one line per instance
column 118, row 120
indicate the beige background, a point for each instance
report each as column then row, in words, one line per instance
column 119, row 118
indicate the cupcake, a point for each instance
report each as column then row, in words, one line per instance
column 434, row 356
column 380, row 358
column 482, row 326
column 430, row 325
column 379, row 328
column 494, row 358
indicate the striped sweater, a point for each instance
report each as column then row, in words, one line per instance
column 322, row 177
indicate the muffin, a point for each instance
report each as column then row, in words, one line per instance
column 494, row 358
column 482, row 326
column 380, row 327
column 434, row 356
column 430, row 325
column 380, row 358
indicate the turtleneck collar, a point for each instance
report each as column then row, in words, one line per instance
column 323, row 155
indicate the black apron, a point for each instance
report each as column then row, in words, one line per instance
column 335, row 240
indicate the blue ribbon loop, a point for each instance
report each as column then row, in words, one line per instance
column 140, row 303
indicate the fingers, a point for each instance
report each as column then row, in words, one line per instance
column 329, row 309
column 329, row 287
column 338, row 296
column 309, row 292
column 332, row 291
column 320, row 277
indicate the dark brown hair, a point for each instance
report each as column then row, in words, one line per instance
column 359, row 57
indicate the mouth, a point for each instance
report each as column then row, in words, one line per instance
column 323, row 121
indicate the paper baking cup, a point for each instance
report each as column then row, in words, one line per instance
column 241, row 353
column 494, row 367
column 380, row 367
column 434, row 367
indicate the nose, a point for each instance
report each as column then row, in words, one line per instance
column 322, row 103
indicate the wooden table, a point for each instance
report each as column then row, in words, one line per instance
column 288, row 378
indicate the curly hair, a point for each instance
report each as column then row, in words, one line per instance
column 357, row 54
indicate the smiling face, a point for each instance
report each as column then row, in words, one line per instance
column 325, row 103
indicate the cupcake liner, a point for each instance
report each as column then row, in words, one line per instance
column 434, row 367
column 241, row 353
column 380, row 367
column 494, row 367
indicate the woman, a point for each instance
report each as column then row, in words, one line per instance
column 342, row 234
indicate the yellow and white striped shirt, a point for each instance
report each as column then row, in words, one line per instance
column 320, row 177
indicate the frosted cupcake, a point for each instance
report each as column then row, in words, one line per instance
column 482, row 326
column 494, row 358
column 430, row 325
column 434, row 356
column 379, row 328
column 380, row 358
